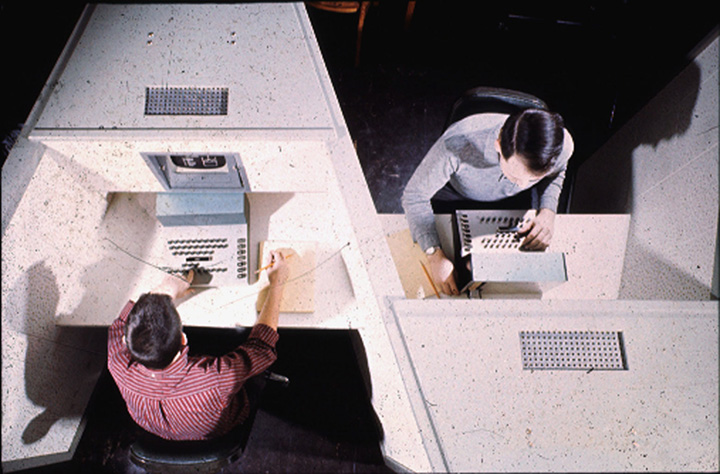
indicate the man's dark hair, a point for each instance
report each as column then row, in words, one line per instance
column 153, row 332
column 536, row 135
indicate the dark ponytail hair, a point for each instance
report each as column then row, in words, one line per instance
column 536, row 135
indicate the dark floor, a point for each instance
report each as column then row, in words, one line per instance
column 595, row 62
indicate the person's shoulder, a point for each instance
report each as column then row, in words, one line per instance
column 567, row 151
column 568, row 145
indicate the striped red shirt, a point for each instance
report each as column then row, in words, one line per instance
column 193, row 398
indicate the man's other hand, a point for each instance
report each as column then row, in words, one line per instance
column 177, row 286
column 442, row 271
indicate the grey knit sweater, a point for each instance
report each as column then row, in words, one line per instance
column 465, row 156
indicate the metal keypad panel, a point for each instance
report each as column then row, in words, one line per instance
column 572, row 350
column 186, row 100
column 221, row 255
column 196, row 246
column 241, row 261
column 491, row 231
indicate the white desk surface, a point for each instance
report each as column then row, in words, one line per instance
column 490, row 415
column 306, row 184
column 265, row 62
column 101, row 253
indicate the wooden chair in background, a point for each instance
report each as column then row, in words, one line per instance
column 360, row 7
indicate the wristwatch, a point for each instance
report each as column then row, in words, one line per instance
column 431, row 250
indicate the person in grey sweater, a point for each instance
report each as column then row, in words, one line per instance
column 487, row 157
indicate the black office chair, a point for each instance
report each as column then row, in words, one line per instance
column 161, row 456
column 505, row 101
column 481, row 100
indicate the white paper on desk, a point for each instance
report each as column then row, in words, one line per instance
column 299, row 292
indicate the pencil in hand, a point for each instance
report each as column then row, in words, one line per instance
column 270, row 265
column 432, row 283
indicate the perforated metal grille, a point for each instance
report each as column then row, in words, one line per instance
column 186, row 100
column 491, row 231
column 572, row 350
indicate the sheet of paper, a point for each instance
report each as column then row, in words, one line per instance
column 409, row 258
column 299, row 293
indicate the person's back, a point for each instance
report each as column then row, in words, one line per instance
column 177, row 396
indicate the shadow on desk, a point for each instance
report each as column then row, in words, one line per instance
column 605, row 181
column 646, row 272
column 62, row 364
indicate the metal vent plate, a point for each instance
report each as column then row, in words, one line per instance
column 572, row 350
column 186, row 100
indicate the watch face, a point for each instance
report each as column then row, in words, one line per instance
column 198, row 162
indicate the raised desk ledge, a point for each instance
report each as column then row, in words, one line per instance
column 594, row 248
column 271, row 164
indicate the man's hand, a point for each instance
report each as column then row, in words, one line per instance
column 277, row 276
column 442, row 271
column 278, row 273
column 177, row 286
column 539, row 231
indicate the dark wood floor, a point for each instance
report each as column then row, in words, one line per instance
column 595, row 62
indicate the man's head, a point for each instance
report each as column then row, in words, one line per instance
column 531, row 140
column 153, row 332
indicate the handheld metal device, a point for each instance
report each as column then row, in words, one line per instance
column 488, row 254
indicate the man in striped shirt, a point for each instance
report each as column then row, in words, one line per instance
column 181, row 397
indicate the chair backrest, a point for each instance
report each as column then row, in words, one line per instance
column 158, row 455
column 492, row 100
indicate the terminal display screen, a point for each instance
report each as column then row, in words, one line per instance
column 199, row 162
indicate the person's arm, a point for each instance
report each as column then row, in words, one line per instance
column 257, row 353
column 277, row 275
column 430, row 176
column 176, row 286
column 116, row 329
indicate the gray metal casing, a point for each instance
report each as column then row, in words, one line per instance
column 488, row 255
